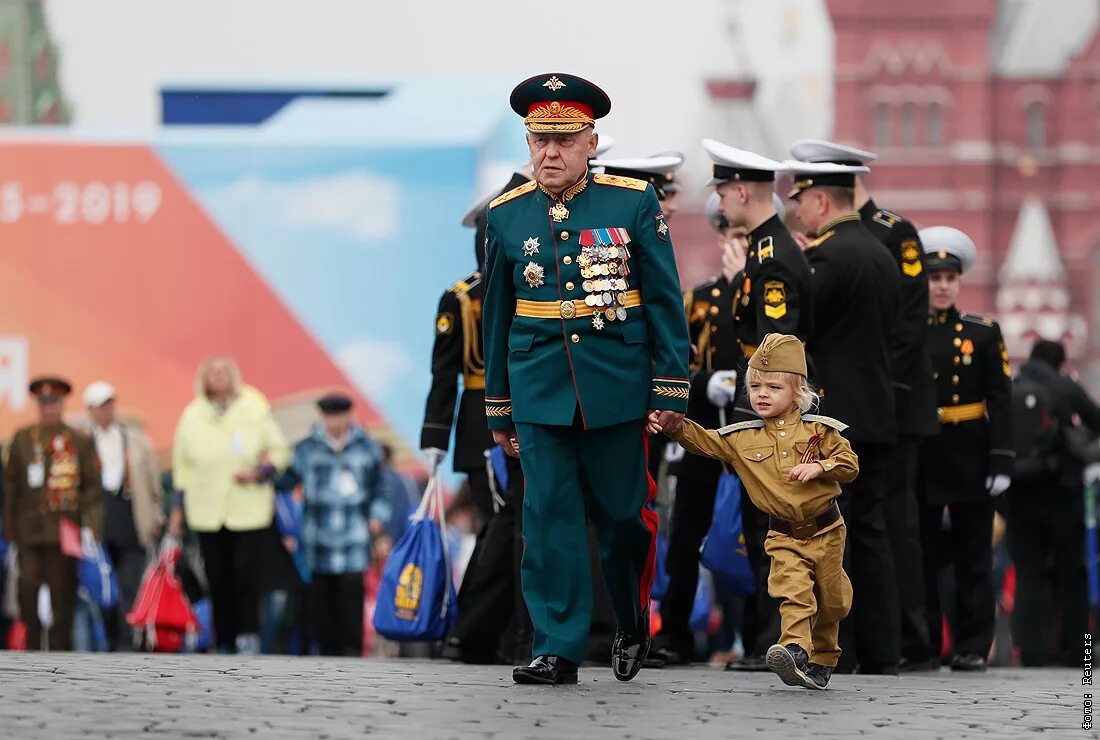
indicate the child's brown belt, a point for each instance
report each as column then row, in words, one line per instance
column 806, row 528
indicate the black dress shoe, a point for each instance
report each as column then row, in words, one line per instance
column 790, row 662
column 666, row 657
column 546, row 669
column 630, row 649
column 969, row 662
column 907, row 665
column 749, row 664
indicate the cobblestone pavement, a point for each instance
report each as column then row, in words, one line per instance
column 169, row 696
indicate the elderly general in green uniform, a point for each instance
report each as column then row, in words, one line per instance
column 584, row 335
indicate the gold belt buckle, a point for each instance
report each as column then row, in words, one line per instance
column 804, row 529
column 568, row 309
column 940, row 414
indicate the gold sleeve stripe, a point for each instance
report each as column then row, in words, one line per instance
column 670, row 392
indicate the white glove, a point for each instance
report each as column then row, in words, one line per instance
column 997, row 484
column 673, row 452
column 433, row 456
column 722, row 387
column 1092, row 473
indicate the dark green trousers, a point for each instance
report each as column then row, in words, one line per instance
column 561, row 465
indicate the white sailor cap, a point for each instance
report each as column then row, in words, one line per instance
column 819, row 150
column 657, row 169
column 811, row 174
column 947, row 248
column 603, row 144
column 519, row 177
column 739, row 165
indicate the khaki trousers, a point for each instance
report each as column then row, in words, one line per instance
column 808, row 578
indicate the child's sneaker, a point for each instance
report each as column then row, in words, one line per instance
column 820, row 675
column 789, row 663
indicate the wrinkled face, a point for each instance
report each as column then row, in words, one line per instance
column 337, row 424
column 770, row 396
column 812, row 209
column 560, row 160
column 103, row 416
column 943, row 289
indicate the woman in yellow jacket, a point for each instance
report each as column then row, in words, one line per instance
column 227, row 449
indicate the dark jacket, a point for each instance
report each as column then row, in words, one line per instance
column 970, row 367
column 1068, row 400
column 855, row 300
column 458, row 351
column 915, row 392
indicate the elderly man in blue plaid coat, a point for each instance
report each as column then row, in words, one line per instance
column 340, row 469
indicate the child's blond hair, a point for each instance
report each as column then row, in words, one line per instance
column 805, row 399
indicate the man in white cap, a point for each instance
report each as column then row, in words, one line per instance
column 490, row 593
column 659, row 170
column 968, row 464
column 855, row 293
column 133, row 508
column 914, row 393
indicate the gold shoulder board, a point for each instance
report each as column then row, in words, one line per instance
column 523, row 189
column 742, row 426
column 826, row 420
column 619, row 181
column 463, row 286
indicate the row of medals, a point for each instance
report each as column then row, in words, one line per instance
column 604, row 270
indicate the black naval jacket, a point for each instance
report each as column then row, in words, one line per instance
column 915, row 391
column 458, row 351
column 855, row 299
column 727, row 321
column 974, row 391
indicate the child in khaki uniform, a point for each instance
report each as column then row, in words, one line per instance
column 791, row 464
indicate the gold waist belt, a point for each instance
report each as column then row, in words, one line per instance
column 572, row 309
column 965, row 412
column 471, row 382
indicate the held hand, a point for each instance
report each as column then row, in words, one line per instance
column 652, row 423
column 432, row 457
column 507, row 440
column 806, row 472
column 997, row 484
column 669, row 421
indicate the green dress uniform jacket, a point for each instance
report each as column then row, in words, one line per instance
column 974, row 390
column 549, row 354
column 912, row 371
column 68, row 487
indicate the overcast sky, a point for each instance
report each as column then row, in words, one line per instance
column 651, row 57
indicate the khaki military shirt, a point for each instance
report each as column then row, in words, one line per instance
column 763, row 451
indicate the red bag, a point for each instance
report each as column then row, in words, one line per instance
column 161, row 614
column 17, row 635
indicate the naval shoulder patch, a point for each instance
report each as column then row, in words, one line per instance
column 826, row 420
column 765, row 249
column 886, row 218
column 523, row 189
column 741, row 426
column 775, row 299
column 975, row 318
column 910, row 258
column 618, row 181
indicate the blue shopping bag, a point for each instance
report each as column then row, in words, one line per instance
column 416, row 599
column 95, row 572
column 724, row 553
column 660, row 575
column 699, row 621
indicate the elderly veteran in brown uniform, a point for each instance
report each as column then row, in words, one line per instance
column 51, row 475
column 792, row 464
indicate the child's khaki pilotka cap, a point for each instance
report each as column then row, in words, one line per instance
column 780, row 353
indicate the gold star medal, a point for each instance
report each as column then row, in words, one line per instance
column 533, row 274
column 559, row 212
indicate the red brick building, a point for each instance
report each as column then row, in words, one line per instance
column 986, row 116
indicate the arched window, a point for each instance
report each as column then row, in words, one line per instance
column 882, row 124
column 935, row 125
column 908, row 125
column 1036, row 125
